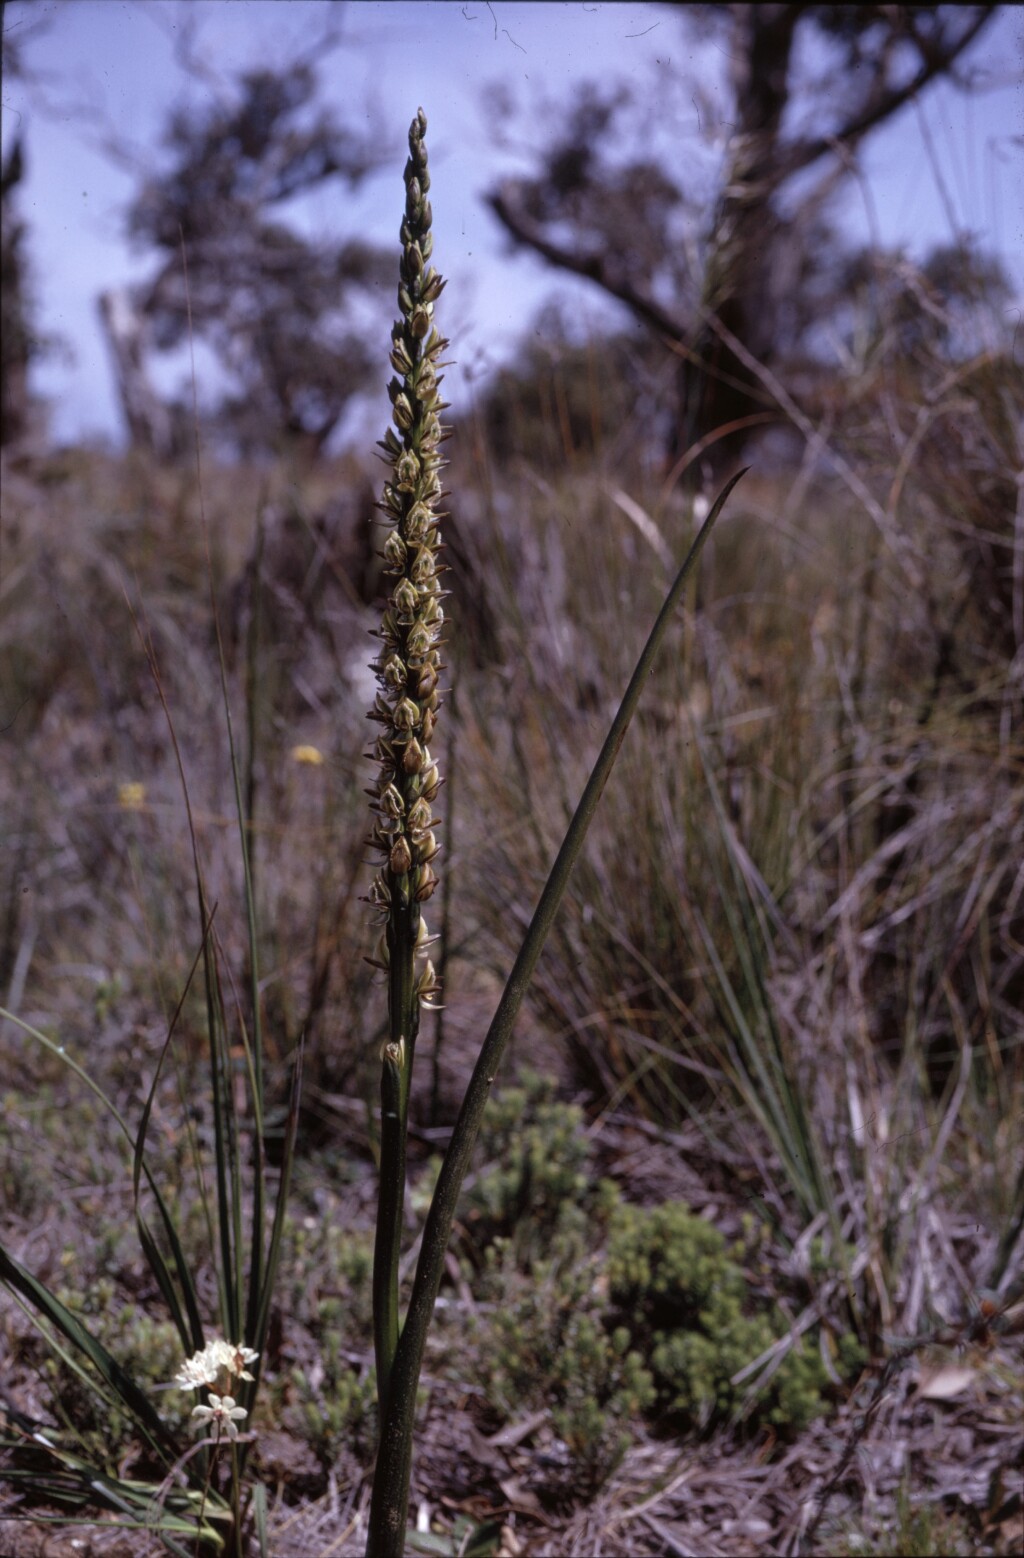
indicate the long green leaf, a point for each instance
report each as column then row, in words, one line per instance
column 40, row 1297
column 191, row 1332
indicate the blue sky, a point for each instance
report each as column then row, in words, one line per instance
column 956, row 161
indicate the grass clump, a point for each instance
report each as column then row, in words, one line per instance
column 919, row 1531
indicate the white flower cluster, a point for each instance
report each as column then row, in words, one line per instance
column 203, row 1370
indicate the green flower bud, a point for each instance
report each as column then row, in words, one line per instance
column 425, row 848
column 419, row 818
column 405, row 715
column 423, row 568
column 425, row 382
column 391, row 802
column 428, row 983
column 394, row 671
column 406, row 599
column 418, row 524
column 418, row 642
column 407, row 469
column 395, row 550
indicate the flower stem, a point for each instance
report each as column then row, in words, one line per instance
column 389, row 1503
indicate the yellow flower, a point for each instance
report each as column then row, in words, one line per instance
column 305, row 754
column 131, row 796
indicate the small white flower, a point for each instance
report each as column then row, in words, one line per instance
column 204, row 1368
column 240, row 1356
column 198, row 1371
column 222, row 1415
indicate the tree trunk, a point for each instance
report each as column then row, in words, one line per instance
column 148, row 419
column 16, row 340
column 716, row 390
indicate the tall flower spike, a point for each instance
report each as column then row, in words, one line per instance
column 408, row 669
column 408, row 665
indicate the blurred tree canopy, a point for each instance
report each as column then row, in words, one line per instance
column 15, row 331
column 20, row 341
column 809, row 83
column 286, row 316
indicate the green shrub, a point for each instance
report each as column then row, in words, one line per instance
column 535, row 1187
column 548, row 1343
column 684, row 1299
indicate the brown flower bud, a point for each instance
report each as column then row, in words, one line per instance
column 412, row 757
column 427, row 682
column 403, row 413
column 425, row 848
column 426, row 882
column 400, row 859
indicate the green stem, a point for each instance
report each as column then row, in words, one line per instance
column 390, row 1499
column 387, row 1249
column 396, row 1072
